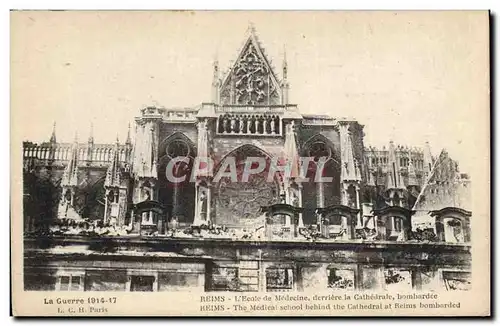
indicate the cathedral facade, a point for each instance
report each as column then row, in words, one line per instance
column 243, row 193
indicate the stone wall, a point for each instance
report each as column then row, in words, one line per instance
column 247, row 266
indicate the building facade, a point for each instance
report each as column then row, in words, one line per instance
column 108, row 217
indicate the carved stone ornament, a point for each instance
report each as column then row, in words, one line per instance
column 250, row 81
column 243, row 200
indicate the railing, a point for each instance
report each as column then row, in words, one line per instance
column 249, row 124
column 180, row 115
column 269, row 109
column 376, row 157
column 98, row 153
column 321, row 121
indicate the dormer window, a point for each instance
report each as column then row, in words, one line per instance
column 334, row 226
column 452, row 224
column 394, row 223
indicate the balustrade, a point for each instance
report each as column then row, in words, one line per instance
column 62, row 152
column 255, row 125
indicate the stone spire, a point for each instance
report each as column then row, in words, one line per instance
column 53, row 135
column 285, row 66
column 113, row 173
column 203, row 150
column 145, row 152
column 91, row 134
column 128, row 141
column 145, row 149
column 412, row 175
column 70, row 175
column 293, row 187
column 394, row 178
column 428, row 161
column 290, row 150
column 350, row 170
column 284, row 83
column 149, row 162
column 216, row 80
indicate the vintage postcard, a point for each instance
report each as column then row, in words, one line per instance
column 197, row 163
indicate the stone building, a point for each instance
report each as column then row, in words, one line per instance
column 107, row 217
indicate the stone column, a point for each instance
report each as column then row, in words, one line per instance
column 200, row 191
column 225, row 125
column 122, row 206
column 106, row 206
column 358, row 206
column 262, row 273
column 175, row 200
column 152, row 192
column 196, row 206
column 233, row 125
column 320, row 194
column 72, row 197
column 249, row 121
column 209, row 203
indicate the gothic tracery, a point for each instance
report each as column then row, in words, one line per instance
column 250, row 81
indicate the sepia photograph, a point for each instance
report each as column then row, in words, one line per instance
column 250, row 163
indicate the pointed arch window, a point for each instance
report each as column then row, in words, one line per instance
column 178, row 147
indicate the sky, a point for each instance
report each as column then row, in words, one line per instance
column 408, row 77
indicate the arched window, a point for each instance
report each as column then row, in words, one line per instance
column 178, row 198
column 238, row 203
column 178, row 147
column 319, row 150
column 315, row 194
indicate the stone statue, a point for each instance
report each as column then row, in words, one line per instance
column 202, row 201
column 294, row 197
column 256, row 121
column 233, row 124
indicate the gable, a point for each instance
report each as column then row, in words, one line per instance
column 445, row 187
column 251, row 80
